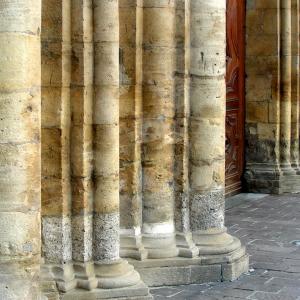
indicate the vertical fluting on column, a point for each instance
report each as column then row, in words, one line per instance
column 295, row 76
column 285, row 85
column 82, row 142
column 131, row 31
column 56, row 193
column 111, row 271
column 20, row 26
column 182, row 83
column 158, row 128
column 207, row 127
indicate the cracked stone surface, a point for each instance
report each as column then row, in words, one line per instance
column 270, row 229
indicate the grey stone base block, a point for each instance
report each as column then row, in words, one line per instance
column 137, row 292
column 161, row 276
column 235, row 269
column 260, row 181
column 289, row 184
column 183, row 271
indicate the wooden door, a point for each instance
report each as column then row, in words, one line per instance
column 235, row 78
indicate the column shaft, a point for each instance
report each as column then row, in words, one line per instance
column 131, row 34
column 56, row 188
column 207, row 128
column 207, row 115
column 158, row 127
column 295, row 76
column 82, row 142
column 285, row 85
column 182, row 94
column 111, row 271
column 106, row 130
column 20, row 27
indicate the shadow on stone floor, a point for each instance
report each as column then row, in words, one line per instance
column 269, row 226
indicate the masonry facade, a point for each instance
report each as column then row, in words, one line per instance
column 112, row 135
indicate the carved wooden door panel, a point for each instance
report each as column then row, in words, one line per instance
column 235, row 86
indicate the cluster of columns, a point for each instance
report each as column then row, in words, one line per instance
column 272, row 122
column 169, row 144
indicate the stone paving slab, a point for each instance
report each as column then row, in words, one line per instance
column 268, row 225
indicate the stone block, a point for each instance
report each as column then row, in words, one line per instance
column 257, row 112
column 137, row 292
column 235, row 269
column 204, row 274
column 159, row 276
column 259, row 88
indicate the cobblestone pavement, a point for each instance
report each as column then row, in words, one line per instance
column 270, row 228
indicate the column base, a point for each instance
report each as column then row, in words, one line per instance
column 160, row 245
column 215, row 241
column 136, row 292
column 272, row 180
column 217, row 246
column 115, row 274
column 221, row 258
column 131, row 246
column 85, row 275
column 198, row 270
column 62, row 274
column 185, row 245
column 116, row 280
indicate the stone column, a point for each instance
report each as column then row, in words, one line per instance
column 111, row 271
column 295, row 72
column 182, row 94
column 82, row 142
column 131, row 34
column 285, row 85
column 158, row 128
column 207, row 128
column 56, row 188
column 20, row 81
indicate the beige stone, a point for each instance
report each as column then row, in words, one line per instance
column 20, row 82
